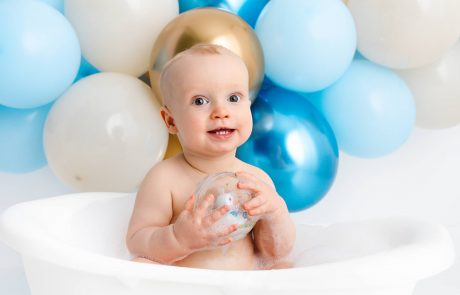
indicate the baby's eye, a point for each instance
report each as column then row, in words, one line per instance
column 200, row 101
column 234, row 98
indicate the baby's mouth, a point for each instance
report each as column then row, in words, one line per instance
column 221, row 131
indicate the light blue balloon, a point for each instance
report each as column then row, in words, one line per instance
column 57, row 4
column 39, row 54
column 370, row 109
column 21, row 139
column 294, row 144
column 307, row 44
column 248, row 10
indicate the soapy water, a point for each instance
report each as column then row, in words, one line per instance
column 224, row 188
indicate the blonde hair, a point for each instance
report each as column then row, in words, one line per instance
column 198, row 49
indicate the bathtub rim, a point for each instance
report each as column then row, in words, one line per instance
column 19, row 237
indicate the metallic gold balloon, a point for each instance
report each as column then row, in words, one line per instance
column 174, row 146
column 212, row 26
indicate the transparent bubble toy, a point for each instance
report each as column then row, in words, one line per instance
column 224, row 188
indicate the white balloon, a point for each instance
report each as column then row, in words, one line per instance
column 118, row 35
column 436, row 90
column 405, row 33
column 105, row 133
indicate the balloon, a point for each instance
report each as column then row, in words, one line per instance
column 105, row 133
column 57, row 4
column 208, row 25
column 117, row 35
column 224, row 187
column 307, row 44
column 174, row 146
column 294, row 144
column 86, row 69
column 436, row 89
column 248, row 10
column 39, row 54
column 405, row 34
column 370, row 109
column 21, row 144
column 145, row 78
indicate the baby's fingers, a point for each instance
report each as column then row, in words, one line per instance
column 225, row 241
column 202, row 208
column 189, row 204
column 217, row 214
column 245, row 175
column 254, row 203
column 226, row 230
column 257, row 211
column 249, row 185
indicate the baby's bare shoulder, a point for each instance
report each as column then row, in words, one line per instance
column 154, row 205
column 156, row 188
column 256, row 171
column 163, row 172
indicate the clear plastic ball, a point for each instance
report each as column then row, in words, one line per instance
column 224, row 188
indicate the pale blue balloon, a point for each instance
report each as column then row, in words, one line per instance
column 307, row 44
column 39, row 54
column 57, row 4
column 21, row 139
column 370, row 109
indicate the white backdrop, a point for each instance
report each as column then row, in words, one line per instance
column 418, row 180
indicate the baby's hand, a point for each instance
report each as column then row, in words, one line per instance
column 266, row 203
column 193, row 228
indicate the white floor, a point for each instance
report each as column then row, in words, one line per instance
column 419, row 180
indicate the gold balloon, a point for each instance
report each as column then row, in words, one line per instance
column 211, row 26
column 174, row 147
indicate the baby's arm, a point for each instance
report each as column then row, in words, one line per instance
column 150, row 234
column 274, row 233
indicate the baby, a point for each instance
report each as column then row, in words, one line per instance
column 206, row 103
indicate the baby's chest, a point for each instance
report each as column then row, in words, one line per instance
column 181, row 193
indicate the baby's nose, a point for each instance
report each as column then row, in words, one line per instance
column 220, row 112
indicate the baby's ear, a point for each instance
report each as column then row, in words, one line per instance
column 168, row 119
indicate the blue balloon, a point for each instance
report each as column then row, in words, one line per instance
column 21, row 139
column 307, row 44
column 86, row 69
column 57, row 4
column 294, row 144
column 248, row 10
column 39, row 54
column 370, row 109
column 358, row 55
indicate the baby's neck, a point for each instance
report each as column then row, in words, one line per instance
column 209, row 165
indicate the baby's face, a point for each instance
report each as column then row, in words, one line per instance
column 209, row 103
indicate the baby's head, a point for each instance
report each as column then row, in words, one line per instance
column 205, row 92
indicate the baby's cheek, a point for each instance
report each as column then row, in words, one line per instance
column 246, row 129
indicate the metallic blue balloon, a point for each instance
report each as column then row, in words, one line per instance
column 294, row 144
column 248, row 10
column 21, row 139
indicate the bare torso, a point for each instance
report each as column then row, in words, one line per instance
column 237, row 255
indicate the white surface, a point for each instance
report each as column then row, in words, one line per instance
column 71, row 242
column 419, row 180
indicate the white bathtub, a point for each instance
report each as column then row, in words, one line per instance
column 74, row 244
